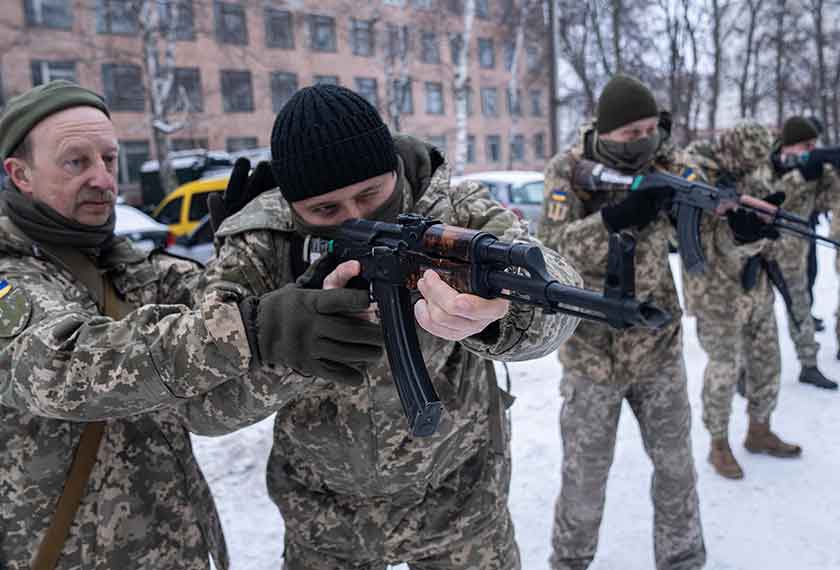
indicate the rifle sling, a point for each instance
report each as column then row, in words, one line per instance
column 99, row 284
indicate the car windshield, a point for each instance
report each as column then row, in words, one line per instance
column 531, row 193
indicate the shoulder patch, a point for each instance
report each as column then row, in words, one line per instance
column 15, row 310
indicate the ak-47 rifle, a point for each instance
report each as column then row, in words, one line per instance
column 393, row 258
column 691, row 198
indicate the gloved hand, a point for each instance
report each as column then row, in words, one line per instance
column 310, row 331
column 639, row 209
column 240, row 190
column 748, row 227
column 811, row 169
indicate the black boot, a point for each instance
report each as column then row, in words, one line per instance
column 812, row 375
column 819, row 325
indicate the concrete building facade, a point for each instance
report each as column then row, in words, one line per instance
column 238, row 61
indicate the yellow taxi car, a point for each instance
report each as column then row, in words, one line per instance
column 184, row 208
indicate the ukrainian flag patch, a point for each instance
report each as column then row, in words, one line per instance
column 558, row 195
column 5, row 288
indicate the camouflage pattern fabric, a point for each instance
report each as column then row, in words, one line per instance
column 602, row 366
column 337, row 445
column 835, row 234
column 736, row 328
column 149, row 376
column 803, row 197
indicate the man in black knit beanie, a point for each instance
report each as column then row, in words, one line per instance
column 355, row 489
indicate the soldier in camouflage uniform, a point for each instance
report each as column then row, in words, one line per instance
column 733, row 302
column 809, row 188
column 603, row 367
column 95, row 334
column 354, row 488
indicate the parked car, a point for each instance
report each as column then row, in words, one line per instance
column 140, row 228
column 198, row 245
column 183, row 209
column 519, row 190
column 188, row 165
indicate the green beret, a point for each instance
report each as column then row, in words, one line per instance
column 797, row 130
column 25, row 111
column 624, row 99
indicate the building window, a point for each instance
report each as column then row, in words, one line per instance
column 517, row 147
column 539, row 145
column 434, row 98
column 486, row 53
column 180, row 12
column 279, row 29
column 536, row 102
column 508, row 48
column 470, row 149
column 132, row 156
column 489, row 102
column 321, row 33
column 123, row 83
column 49, row 13
column 422, row 4
column 366, row 87
column 493, row 148
column 189, row 144
column 235, row 144
column 455, row 6
column 439, row 142
column 116, row 17
column 429, row 50
column 231, row 24
column 283, row 86
column 325, row 80
column 46, row 71
column 514, row 105
column 190, row 79
column 482, row 9
column 399, row 42
column 456, row 44
column 362, row 37
column 402, row 94
column 532, row 58
column 237, row 92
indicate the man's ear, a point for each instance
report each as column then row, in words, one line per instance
column 19, row 173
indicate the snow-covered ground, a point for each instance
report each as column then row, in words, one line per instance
column 784, row 515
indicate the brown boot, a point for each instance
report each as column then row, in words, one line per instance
column 721, row 458
column 760, row 439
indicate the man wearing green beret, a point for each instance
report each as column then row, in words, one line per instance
column 106, row 362
column 808, row 187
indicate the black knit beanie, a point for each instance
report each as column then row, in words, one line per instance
column 624, row 99
column 327, row 137
column 797, row 130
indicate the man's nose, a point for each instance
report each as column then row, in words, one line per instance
column 103, row 177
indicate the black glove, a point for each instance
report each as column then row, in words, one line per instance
column 240, row 190
column 310, row 331
column 639, row 209
column 811, row 169
column 748, row 227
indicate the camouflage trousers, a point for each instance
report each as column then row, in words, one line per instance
column 429, row 529
column 800, row 325
column 588, row 425
column 751, row 348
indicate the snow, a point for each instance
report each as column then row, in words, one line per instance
column 784, row 515
column 131, row 220
column 515, row 177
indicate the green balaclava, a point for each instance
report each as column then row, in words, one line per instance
column 625, row 100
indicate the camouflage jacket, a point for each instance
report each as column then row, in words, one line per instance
column 717, row 293
column 335, row 438
column 572, row 224
column 63, row 363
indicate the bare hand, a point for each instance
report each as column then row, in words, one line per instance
column 448, row 314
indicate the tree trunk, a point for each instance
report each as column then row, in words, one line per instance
column 462, row 84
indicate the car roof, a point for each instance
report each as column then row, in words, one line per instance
column 504, row 176
column 129, row 220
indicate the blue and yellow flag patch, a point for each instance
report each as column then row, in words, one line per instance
column 558, row 195
column 5, row 288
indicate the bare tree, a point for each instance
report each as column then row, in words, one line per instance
column 721, row 11
column 753, row 42
column 461, row 84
